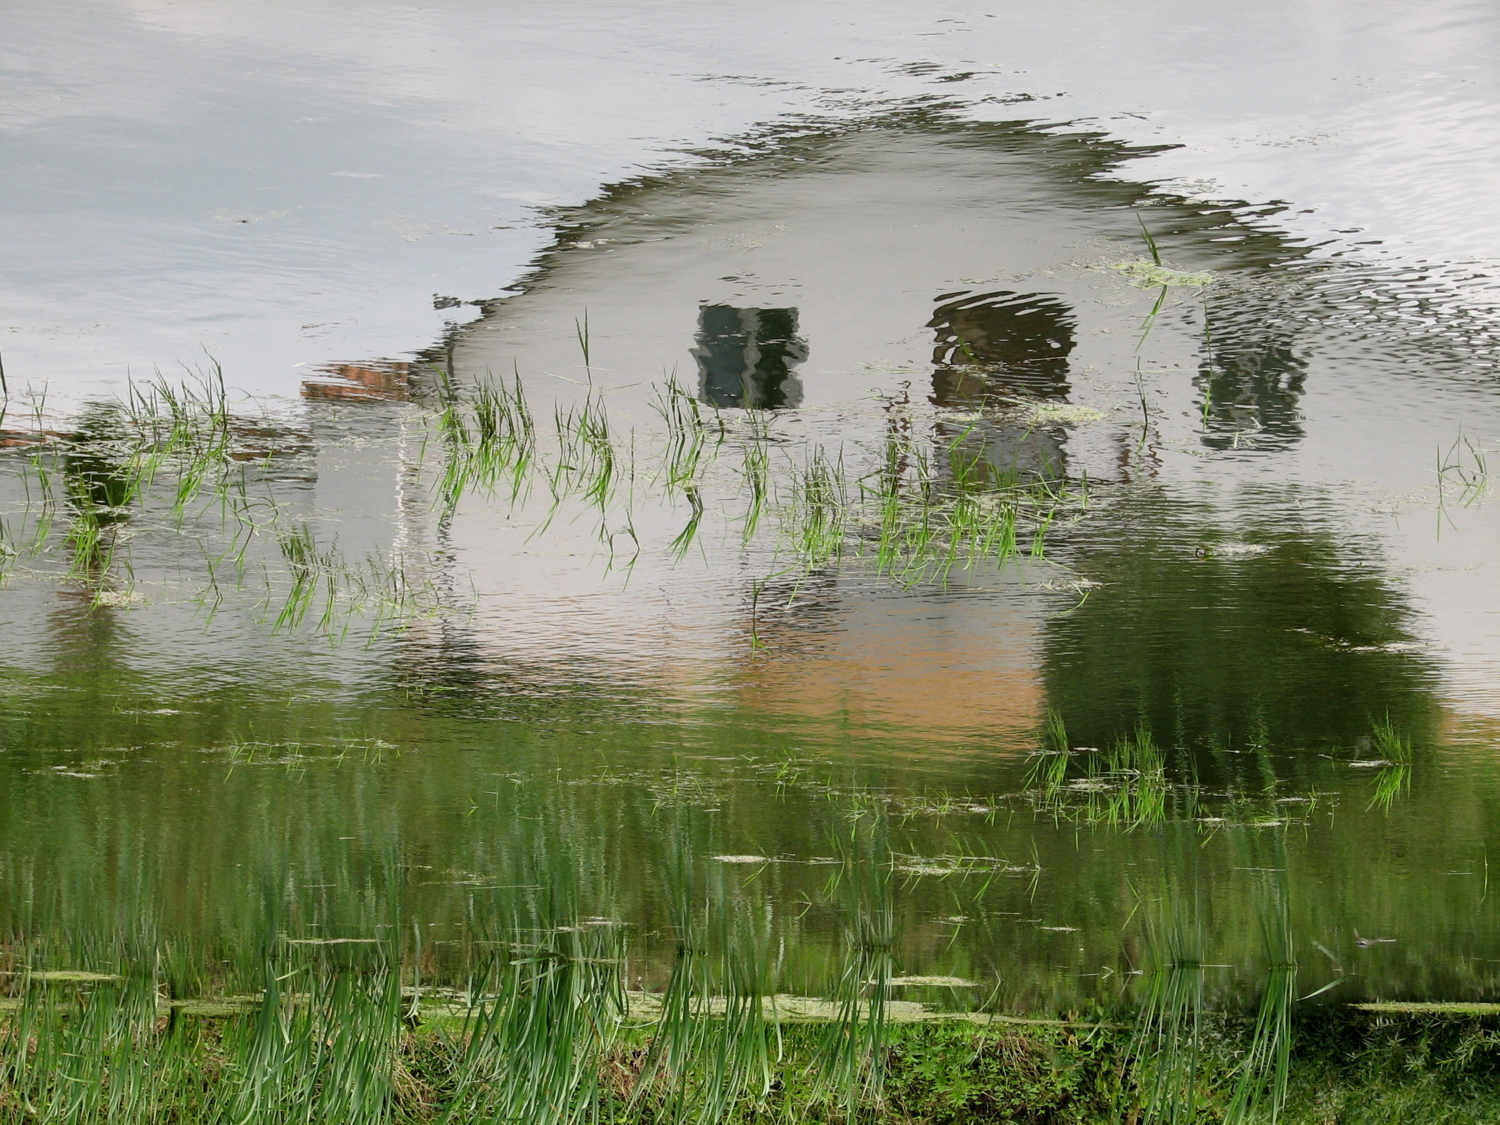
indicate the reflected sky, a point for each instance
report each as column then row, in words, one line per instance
column 191, row 178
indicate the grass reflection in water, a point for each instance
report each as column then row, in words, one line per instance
column 173, row 464
column 539, row 1015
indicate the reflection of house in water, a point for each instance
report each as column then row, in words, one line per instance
column 995, row 350
column 948, row 667
column 1251, row 382
column 843, row 240
column 389, row 380
column 746, row 357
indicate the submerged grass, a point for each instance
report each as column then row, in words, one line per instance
column 172, row 463
column 1126, row 786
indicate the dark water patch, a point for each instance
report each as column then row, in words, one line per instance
column 747, row 358
column 1235, row 631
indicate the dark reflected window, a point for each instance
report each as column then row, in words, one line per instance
column 991, row 349
column 746, row 357
column 98, row 484
column 1251, row 382
column 1000, row 344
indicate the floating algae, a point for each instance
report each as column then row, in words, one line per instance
column 1146, row 274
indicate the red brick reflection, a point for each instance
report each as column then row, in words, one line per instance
column 388, row 380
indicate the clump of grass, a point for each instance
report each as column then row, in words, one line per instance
column 1126, row 786
column 311, row 569
column 755, row 467
column 175, row 460
column 171, row 460
column 588, row 463
column 687, row 436
column 1162, row 1080
column 108, row 466
column 1463, row 468
column 716, row 1044
column 380, row 588
column 322, row 1044
column 532, row 1016
column 335, row 1041
column 1393, row 777
column 686, row 452
column 1049, row 766
column 487, row 438
column 1265, row 1072
column 819, row 509
column 849, row 1058
column 527, row 1051
column 919, row 514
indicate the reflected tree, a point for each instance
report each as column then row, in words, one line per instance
column 1232, row 638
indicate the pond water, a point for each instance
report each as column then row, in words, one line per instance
column 671, row 456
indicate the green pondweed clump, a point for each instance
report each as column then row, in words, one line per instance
column 1059, row 414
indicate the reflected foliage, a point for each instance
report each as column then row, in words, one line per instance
column 98, row 486
column 1251, row 381
column 1223, row 645
column 1000, row 345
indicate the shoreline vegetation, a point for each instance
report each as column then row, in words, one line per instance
column 342, row 1008
column 546, row 1035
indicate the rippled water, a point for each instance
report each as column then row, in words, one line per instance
column 847, row 229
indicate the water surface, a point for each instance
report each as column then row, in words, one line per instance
column 1260, row 607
